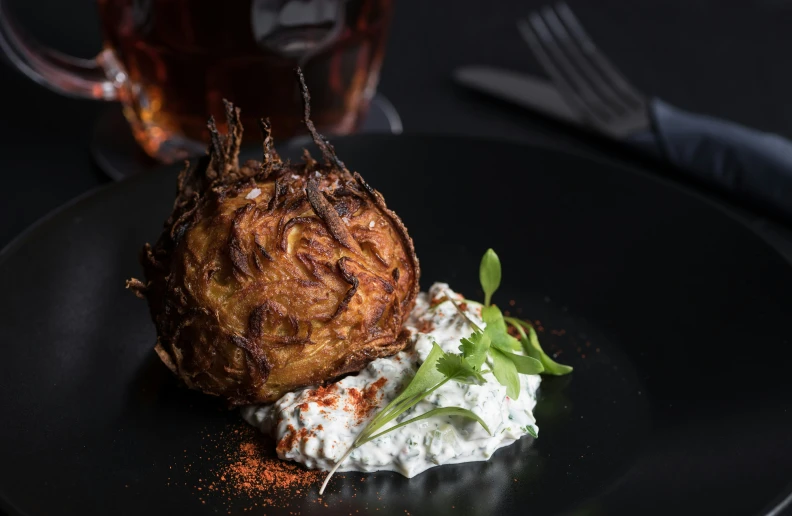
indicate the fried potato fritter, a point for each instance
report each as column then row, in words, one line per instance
column 272, row 276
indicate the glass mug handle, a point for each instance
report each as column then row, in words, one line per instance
column 71, row 76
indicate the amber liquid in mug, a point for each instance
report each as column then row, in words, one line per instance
column 178, row 59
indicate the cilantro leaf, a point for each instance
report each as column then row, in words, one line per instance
column 475, row 348
column 506, row 373
column 456, row 368
column 489, row 274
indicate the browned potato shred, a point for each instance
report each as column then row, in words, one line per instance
column 256, row 297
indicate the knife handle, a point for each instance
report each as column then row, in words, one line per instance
column 753, row 164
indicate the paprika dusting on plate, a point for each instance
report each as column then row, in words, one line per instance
column 243, row 469
column 255, row 474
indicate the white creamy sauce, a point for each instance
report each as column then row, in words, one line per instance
column 317, row 426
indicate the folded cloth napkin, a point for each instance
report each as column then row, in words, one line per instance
column 750, row 163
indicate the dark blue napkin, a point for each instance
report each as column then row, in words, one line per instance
column 751, row 164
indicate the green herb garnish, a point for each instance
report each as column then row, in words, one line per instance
column 438, row 368
column 494, row 341
column 489, row 274
column 475, row 348
column 530, row 344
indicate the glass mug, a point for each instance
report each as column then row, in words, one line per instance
column 171, row 62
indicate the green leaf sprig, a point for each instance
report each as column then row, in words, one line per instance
column 438, row 369
column 494, row 341
column 489, row 274
column 530, row 344
column 503, row 343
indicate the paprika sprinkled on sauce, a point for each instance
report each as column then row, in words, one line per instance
column 363, row 402
column 324, row 396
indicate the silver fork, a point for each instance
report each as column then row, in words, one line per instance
column 586, row 79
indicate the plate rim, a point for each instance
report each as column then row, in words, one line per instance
column 712, row 199
column 775, row 507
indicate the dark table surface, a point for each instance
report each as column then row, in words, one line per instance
column 705, row 56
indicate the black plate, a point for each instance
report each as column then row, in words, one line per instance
column 673, row 314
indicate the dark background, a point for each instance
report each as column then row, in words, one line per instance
column 721, row 57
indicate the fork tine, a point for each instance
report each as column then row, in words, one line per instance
column 589, row 49
column 533, row 31
column 571, row 46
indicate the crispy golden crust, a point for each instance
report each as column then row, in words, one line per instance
column 253, row 298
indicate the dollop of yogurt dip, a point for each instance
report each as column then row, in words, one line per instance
column 317, row 425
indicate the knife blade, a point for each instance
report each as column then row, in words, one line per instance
column 524, row 90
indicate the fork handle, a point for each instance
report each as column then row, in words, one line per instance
column 752, row 164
